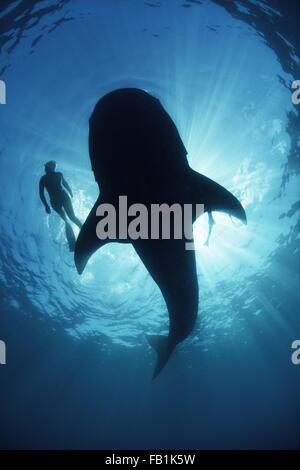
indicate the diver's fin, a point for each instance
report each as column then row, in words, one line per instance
column 70, row 237
column 215, row 197
column 88, row 242
column 161, row 345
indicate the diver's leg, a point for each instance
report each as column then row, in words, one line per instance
column 60, row 211
column 70, row 212
column 69, row 232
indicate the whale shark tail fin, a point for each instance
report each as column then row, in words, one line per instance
column 161, row 345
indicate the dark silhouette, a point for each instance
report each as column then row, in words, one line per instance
column 60, row 200
column 136, row 150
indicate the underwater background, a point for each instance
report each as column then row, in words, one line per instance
column 79, row 368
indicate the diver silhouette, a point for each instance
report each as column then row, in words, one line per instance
column 60, row 199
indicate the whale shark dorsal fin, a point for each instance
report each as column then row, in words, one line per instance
column 87, row 242
column 215, row 197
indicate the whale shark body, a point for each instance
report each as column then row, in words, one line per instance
column 136, row 150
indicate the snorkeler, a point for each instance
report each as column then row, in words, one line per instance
column 60, row 200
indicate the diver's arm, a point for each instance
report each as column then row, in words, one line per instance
column 65, row 184
column 42, row 196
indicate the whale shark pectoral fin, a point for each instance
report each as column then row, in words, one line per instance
column 214, row 197
column 87, row 242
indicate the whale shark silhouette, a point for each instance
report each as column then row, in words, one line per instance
column 135, row 150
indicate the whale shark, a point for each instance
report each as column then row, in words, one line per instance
column 136, row 150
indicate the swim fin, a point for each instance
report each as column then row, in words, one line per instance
column 70, row 237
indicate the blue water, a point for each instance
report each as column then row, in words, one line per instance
column 78, row 372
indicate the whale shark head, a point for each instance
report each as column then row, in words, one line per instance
column 131, row 133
